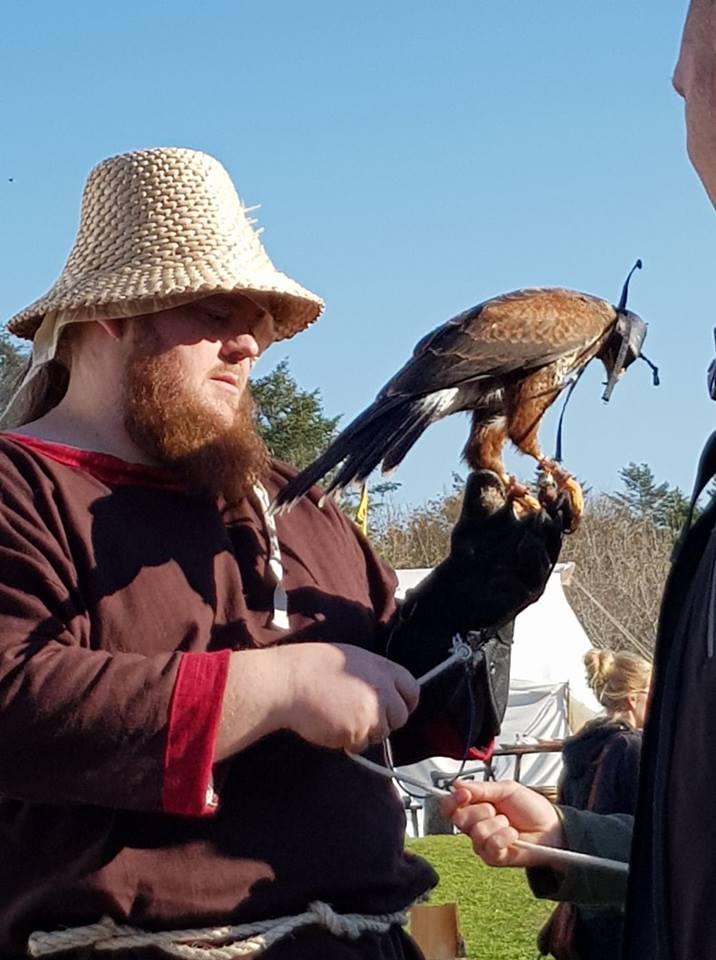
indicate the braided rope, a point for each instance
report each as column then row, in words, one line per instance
column 279, row 617
column 245, row 940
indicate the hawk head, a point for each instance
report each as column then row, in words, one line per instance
column 623, row 345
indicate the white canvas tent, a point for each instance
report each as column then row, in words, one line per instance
column 547, row 684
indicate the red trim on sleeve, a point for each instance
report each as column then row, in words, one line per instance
column 194, row 715
column 482, row 753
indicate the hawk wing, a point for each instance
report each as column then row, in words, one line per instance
column 450, row 370
column 522, row 330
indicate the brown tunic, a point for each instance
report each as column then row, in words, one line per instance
column 114, row 583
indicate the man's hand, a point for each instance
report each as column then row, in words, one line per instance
column 494, row 815
column 332, row 695
column 498, row 564
column 345, row 697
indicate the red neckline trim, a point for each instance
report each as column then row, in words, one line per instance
column 102, row 466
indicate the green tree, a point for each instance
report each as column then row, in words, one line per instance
column 672, row 512
column 12, row 361
column 645, row 499
column 291, row 420
column 642, row 496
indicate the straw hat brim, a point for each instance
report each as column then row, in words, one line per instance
column 136, row 290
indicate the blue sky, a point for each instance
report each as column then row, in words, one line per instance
column 410, row 159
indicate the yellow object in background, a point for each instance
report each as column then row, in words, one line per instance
column 362, row 511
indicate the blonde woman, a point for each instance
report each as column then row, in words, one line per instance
column 601, row 771
column 602, row 760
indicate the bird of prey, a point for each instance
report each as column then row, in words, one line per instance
column 505, row 361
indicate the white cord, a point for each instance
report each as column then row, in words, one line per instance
column 279, row 617
column 462, row 652
column 553, row 856
column 393, row 775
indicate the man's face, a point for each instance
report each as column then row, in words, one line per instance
column 186, row 402
column 695, row 81
column 212, row 345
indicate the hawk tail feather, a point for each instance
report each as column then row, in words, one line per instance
column 384, row 433
column 351, row 445
column 372, row 445
column 389, row 438
column 422, row 415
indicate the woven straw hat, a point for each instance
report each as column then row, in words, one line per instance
column 159, row 228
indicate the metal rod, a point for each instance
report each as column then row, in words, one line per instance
column 571, row 858
column 457, row 657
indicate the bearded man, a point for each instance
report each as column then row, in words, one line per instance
column 181, row 674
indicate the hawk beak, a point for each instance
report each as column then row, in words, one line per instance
column 614, row 378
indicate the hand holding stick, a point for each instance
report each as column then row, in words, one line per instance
column 481, row 822
column 513, row 826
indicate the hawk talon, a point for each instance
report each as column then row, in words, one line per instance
column 555, row 470
column 568, row 485
column 520, row 497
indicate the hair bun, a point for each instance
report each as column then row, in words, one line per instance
column 614, row 677
column 599, row 665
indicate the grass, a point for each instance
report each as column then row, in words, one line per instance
column 499, row 917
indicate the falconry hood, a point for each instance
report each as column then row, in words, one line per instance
column 623, row 345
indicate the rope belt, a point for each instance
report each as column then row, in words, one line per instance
column 246, row 940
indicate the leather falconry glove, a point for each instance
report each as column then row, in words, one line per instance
column 498, row 564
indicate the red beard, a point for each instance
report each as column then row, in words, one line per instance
column 173, row 426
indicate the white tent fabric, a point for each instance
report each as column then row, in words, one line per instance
column 550, row 642
column 547, row 673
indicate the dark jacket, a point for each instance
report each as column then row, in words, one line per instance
column 601, row 774
column 605, row 833
column 612, row 748
column 672, row 875
column 601, row 835
column 670, row 903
